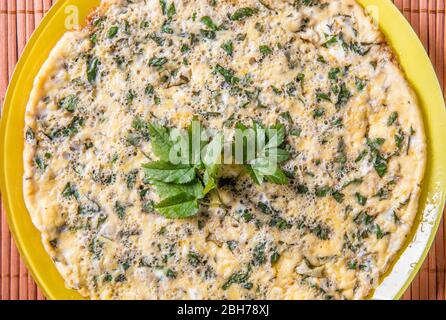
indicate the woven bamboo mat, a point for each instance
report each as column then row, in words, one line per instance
column 18, row 19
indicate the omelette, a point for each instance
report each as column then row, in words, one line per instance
column 121, row 222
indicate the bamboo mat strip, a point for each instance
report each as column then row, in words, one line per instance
column 440, row 243
column 427, row 19
column 18, row 19
column 21, row 41
column 5, row 238
column 29, row 7
column 31, row 292
column 38, row 17
column 12, row 58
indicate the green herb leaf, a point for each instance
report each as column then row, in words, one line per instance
column 243, row 13
column 210, row 182
column 238, row 277
column 343, row 96
column 161, row 143
column 69, row 191
column 338, row 196
column 392, row 118
column 169, row 173
column 228, row 46
column 322, row 96
column 92, row 69
column 379, row 233
column 120, row 210
column 112, row 32
column 322, row 191
column 265, row 50
column 255, row 175
column 163, row 6
column 40, row 163
column 207, row 21
column 208, row 34
column 30, row 135
column 184, row 48
column 228, row 74
column 330, row 41
column 181, row 186
column 179, row 206
column 275, row 256
column 360, row 84
column 171, row 11
column 279, row 154
column 375, row 144
column 69, row 103
column 193, row 259
column 362, row 200
column 265, row 166
column 168, row 190
column 278, row 177
column 333, row 74
column 157, row 62
column 380, row 165
column 275, row 135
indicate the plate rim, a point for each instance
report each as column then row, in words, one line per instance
column 5, row 111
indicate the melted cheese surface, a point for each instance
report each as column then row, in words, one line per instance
column 321, row 68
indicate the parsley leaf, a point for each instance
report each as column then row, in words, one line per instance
column 163, row 6
column 211, row 154
column 168, row 190
column 269, row 156
column 161, row 143
column 210, row 179
column 180, row 206
column 278, row 177
column 169, row 173
column 181, row 186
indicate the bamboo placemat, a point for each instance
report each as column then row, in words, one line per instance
column 18, row 19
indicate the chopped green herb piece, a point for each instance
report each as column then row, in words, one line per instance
column 361, row 199
column 392, row 118
column 92, row 69
column 69, row 103
column 120, row 210
column 69, row 191
column 322, row 191
column 171, row 11
column 207, row 21
column 265, row 50
column 243, row 13
column 157, row 62
column 112, row 32
column 228, row 46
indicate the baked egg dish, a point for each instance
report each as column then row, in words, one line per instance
column 122, row 221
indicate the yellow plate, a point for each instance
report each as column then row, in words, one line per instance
column 64, row 13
